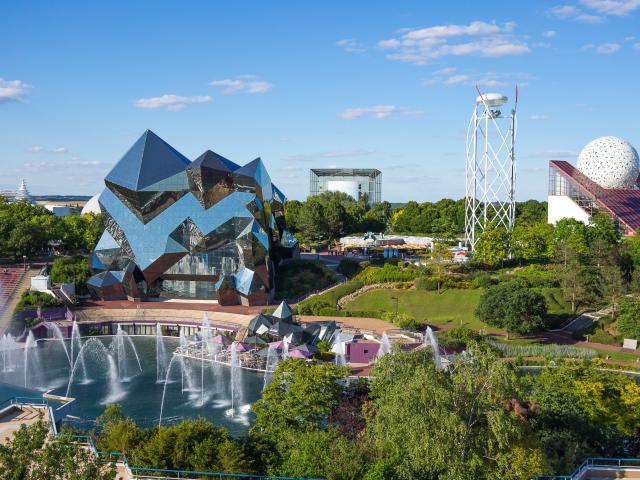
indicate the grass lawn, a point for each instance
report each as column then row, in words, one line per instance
column 452, row 306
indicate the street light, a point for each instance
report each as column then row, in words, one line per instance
column 396, row 299
column 24, row 261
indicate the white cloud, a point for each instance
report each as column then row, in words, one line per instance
column 242, row 84
column 351, row 45
column 38, row 149
column 73, row 163
column 537, row 117
column 612, row 7
column 420, row 46
column 629, row 38
column 571, row 12
column 608, row 48
column 549, row 34
column 173, row 103
column 378, row 112
column 13, row 90
column 303, row 157
column 450, row 76
column 636, row 46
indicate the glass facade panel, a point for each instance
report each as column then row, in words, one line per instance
column 178, row 229
column 358, row 183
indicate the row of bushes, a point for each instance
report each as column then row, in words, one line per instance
column 32, row 299
column 314, row 305
column 298, row 277
column 403, row 272
column 430, row 283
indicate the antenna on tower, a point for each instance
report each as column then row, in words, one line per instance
column 491, row 166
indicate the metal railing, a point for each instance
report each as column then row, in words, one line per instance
column 599, row 463
column 113, row 458
column 152, row 473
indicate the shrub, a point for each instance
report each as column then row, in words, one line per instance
column 403, row 320
column 483, row 280
column 298, row 277
column 33, row 299
column 313, row 305
column 426, row 284
column 461, row 336
column 391, row 273
column 349, row 267
column 72, row 270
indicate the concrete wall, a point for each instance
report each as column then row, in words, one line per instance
column 561, row 206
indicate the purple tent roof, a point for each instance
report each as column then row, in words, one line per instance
column 279, row 345
column 240, row 347
column 298, row 354
column 221, row 340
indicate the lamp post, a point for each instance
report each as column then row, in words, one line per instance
column 24, row 262
column 396, row 299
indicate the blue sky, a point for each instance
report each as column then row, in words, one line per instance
column 358, row 84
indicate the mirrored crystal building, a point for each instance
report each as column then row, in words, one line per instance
column 207, row 229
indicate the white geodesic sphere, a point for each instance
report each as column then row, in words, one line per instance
column 611, row 162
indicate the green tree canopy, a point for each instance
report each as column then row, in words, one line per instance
column 512, row 306
column 31, row 455
column 629, row 317
column 427, row 424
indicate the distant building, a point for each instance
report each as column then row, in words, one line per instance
column 356, row 182
column 17, row 195
column 605, row 180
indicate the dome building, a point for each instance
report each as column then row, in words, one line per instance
column 604, row 180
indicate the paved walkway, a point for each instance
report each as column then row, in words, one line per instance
column 7, row 314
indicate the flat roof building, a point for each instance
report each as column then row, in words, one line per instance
column 356, row 182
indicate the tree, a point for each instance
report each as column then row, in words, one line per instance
column 300, row 398
column 71, row 270
column 611, row 286
column 424, row 423
column 512, row 306
column 629, row 317
column 574, row 282
column 191, row 445
column 533, row 242
column 438, row 260
column 531, row 212
column 492, row 246
column 582, row 413
column 570, row 238
column 31, row 455
column 117, row 433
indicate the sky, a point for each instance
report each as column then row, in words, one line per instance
column 359, row 84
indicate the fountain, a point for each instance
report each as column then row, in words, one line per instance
column 115, row 387
column 164, row 389
column 385, row 346
column 285, row 348
column 95, row 346
column 161, row 355
column 236, row 381
column 121, row 340
column 186, row 372
column 270, row 367
column 57, row 333
column 76, row 346
column 7, row 350
column 30, row 345
column 431, row 340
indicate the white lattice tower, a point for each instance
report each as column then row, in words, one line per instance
column 491, row 167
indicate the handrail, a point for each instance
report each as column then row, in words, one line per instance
column 214, row 474
column 597, row 462
column 122, row 457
